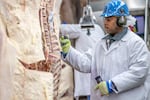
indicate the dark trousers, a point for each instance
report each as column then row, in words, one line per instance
column 82, row 98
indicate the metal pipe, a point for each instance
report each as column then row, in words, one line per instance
column 146, row 21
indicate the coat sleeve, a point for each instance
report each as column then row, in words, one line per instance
column 137, row 69
column 73, row 30
column 79, row 61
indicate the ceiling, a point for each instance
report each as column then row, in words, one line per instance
column 98, row 5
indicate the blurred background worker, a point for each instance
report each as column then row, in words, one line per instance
column 85, row 34
column 119, row 62
column 83, row 43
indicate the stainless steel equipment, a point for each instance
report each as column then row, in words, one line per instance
column 88, row 19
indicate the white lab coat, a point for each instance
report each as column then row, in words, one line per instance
column 125, row 63
column 82, row 43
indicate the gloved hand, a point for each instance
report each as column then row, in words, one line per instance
column 65, row 44
column 105, row 87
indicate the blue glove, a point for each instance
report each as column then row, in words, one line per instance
column 65, row 44
column 105, row 87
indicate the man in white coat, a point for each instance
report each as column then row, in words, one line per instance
column 123, row 64
column 83, row 42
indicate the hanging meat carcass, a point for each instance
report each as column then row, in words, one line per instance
column 24, row 23
column 50, row 38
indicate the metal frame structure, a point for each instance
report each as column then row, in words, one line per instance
column 146, row 21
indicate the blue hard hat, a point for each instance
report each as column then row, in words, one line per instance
column 115, row 8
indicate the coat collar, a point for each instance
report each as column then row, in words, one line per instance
column 116, row 44
column 118, row 36
column 127, row 36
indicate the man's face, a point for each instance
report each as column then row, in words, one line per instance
column 110, row 25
